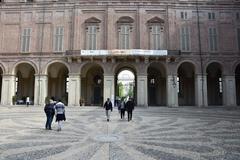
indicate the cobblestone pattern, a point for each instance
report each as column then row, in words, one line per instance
column 154, row 134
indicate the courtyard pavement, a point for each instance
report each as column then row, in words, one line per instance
column 156, row 133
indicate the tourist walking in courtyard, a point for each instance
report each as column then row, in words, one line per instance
column 108, row 106
column 49, row 111
column 28, row 101
column 130, row 108
column 121, row 108
column 60, row 114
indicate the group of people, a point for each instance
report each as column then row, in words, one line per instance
column 122, row 107
column 54, row 108
column 58, row 109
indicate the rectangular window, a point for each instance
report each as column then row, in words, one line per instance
column 25, row 40
column 156, row 37
column 124, row 37
column 238, row 38
column 184, row 15
column 185, row 39
column 58, row 39
column 212, row 39
column 92, row 38
column 211, row 16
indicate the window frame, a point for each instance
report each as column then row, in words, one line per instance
column 124, row 37
column 213, row 39
column 26, row 40
column 184, row 15
column 211, row 16
column 58, row 44
column 91, row 36
column 155, row 36
column 185, row 38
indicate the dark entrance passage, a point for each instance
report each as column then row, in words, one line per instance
column 214, row 84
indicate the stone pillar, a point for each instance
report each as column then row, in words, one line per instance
column 229, row 90
column 172, row 91
column 108, row 86
column 8, row 89
column 142, row 94
column 40, row 89
column 74, row 91
column 201, row 90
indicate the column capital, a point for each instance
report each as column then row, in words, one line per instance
column 142, row 75
column 228, row 76
column 74, row 75
column 108, row 75
column 199, row 74
column 8, row 75
column 40, row 75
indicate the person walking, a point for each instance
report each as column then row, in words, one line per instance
column 49, row 111
column 122, row 108
column 60, row 114
column 27, row 101
column 108, row 106
column 130, row 108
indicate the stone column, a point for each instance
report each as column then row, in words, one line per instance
column 8, row 89
column 40, row 89
column 142, row 94
column 74, row 91
column 108, row 86
column 229, row 90
column 201, row 90
column 172, row 91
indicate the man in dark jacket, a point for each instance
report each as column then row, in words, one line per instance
column 50, row 111
column 130, row 108
column 108, row 107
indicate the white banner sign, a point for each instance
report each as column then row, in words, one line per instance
column 124, row 52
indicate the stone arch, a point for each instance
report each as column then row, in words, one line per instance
column 3, row 68
column 45, row 68
column 186, row 83
column 25, row 81
column 121, row 67
column 125, row 65
column 92, row 83
column 32, row 64
column 214, row 83
column 195, row 65
column 213, row 61
column 85, row 66
column 157, row 88
column 234, row 66
column 58, row 80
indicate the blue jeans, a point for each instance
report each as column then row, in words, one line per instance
column 49, row 121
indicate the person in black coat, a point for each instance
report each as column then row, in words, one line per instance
column 49, row 111
column 108, row 106
column 121, row 108
column 130, row 108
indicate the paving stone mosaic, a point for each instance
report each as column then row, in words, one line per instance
column 156, row 133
